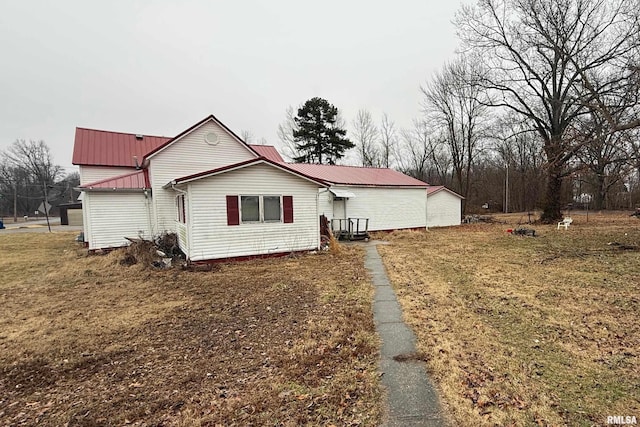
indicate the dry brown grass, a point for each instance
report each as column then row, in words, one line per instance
column 526, row 331
column 86, row 341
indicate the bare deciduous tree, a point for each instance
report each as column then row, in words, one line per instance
column 286, row 130
column 519, row 153
column 35, row 158
column 543, row 57
column 418, row 151
column 247, row 136
column 27, row 172
column 365, row 134
column 606, row 159
column 388, row 141
column 454, row 104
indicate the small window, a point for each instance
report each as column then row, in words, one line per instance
column 250, row 208
column 181, row 209
column 271, row 208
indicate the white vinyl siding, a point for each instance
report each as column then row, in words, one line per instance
column 183, row 236
column 211, row 238
column 325, row 203
column 89, row 174
column 443, row 209
column 108, row 226
column 388, row 208
column 189, row 155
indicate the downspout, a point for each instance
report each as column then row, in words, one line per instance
column 148, row 203
column 318, row 211
column 318, row 238
column 177, row 190
column 188, row 223
column 426, row 210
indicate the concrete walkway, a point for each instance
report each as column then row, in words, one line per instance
column 411, row 397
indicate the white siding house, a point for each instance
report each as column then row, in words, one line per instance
column 188, row 154
column 387, row 208
column 117, row 208
column 444, row 207
column 215, row 226
column 389, row 199
column 226, row 199
column 107, row 226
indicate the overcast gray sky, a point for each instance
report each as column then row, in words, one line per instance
column 157, row 67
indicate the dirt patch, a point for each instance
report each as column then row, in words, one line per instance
column 86, row 341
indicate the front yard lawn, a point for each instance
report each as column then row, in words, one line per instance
column 526, row 330
column 85, row 340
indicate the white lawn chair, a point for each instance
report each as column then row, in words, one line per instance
column 565, row 223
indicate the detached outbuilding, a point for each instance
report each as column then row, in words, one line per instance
column 444, row 207
column 71, row 213
column 388, row 199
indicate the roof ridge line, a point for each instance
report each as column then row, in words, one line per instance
column 122, row 133
column 343, row 166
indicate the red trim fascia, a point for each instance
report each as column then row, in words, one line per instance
column 443, row 188
column 147, row 181
column 247, row 163
column 102, row 181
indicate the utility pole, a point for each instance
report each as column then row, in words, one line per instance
column 506, row 191
column 46, row 205
column 15, row 201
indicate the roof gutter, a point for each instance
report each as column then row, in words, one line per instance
column 113, row 190
column 174, row 188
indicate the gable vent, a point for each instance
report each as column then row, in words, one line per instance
column 139, row 137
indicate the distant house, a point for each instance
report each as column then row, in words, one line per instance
column 225, row 198
column 444, row 207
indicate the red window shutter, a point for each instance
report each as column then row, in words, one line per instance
column 287, row 208
column 233, row 213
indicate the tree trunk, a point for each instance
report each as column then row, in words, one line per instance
column 552, row 209
column 15, row 203
column 600, row 195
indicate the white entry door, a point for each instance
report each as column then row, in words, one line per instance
column 339, row 209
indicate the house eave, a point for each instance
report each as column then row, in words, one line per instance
column 379, row 186
column 113, row 190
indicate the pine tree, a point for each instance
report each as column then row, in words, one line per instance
column 318, row 137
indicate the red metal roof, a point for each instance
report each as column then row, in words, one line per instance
column 433, row 189
column 354, row 175
column 103, row 148
column 267, row 151
column 131, row 181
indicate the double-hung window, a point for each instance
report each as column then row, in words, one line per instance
column 252, row 209
column 260, row 209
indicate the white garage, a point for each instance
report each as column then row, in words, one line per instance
column 444, row 207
